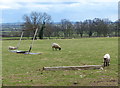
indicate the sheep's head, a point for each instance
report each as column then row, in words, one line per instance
column 105, row 59
column 59, row 48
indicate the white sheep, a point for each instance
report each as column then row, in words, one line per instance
column 106, row 60
column 12, row 48
column 56, row 46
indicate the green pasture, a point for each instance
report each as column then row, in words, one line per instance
column 26, row 70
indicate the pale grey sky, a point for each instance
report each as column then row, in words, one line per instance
column 74, row 10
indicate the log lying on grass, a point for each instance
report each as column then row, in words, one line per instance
column 85, row 67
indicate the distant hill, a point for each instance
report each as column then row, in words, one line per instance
column 11, row 26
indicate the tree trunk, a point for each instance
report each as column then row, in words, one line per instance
column 41, row 34
column 90, row 34
column 41, row 31
column 81, row 34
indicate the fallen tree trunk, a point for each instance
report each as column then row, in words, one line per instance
column 85, row 67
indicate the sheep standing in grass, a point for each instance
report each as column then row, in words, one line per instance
column 56, row 46
column 106, row 60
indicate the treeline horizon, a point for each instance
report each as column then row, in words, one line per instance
column 96, row 27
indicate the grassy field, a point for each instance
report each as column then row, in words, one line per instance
column 26, row 70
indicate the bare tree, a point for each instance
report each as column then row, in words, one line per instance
column 89, row 27
column 57, row 30
column 79, row 27
column 36, row 20
column 49, row 30
column 45, row 19
column 101, row 26
column 67, row 27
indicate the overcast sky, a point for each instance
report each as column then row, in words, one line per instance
column 73, row 10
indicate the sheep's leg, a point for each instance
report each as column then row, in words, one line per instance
column 108, row 63
column 104, row 62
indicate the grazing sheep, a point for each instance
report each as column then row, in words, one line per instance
column 56, row 46
column 106, row 60
column 12, row 48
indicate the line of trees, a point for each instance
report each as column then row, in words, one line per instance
column 67, row 29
